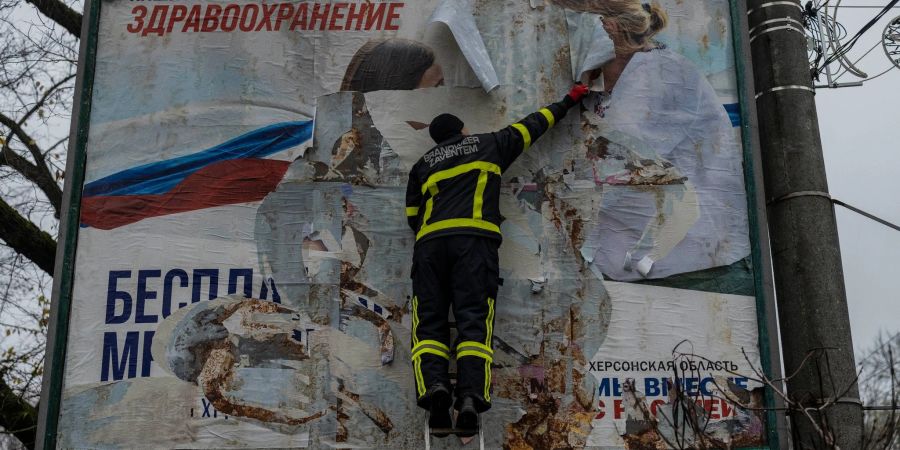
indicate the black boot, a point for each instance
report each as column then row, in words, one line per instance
column 439, row 410
column 467, row 420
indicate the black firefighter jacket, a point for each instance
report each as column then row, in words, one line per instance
column 455, row 187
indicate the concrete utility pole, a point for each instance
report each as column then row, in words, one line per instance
column 809, row 280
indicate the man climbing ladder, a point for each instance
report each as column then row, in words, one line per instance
column 453, row 206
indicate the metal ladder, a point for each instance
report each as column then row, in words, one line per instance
column 429, row 432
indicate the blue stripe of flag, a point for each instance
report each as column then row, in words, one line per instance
column 160, row 177
column 734, row 113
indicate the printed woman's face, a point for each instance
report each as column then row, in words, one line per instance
column 433, row 77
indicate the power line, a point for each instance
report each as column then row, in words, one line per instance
column 865, row 214
column 843, row 49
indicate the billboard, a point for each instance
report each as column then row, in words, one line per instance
column 242, row 273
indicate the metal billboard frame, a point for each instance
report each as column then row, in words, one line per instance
column 761, row 251
column 64, row 272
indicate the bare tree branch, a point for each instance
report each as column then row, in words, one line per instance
column 60, row 13
column 26, row 238
column 38, row 53
column 37, row 173
column 17, row 416
column 48, row 93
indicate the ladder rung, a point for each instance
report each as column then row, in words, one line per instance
column 454, row 431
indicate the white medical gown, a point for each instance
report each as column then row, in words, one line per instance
column 686, row 197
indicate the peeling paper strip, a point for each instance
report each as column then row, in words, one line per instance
column 457, row 15
column 367, row 303
column 590, row 46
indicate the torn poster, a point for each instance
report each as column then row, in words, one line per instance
column 457, row 15
column 667, row 158
column 589, row 45
column 638, row 386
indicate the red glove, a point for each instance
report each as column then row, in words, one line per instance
column 578, row 92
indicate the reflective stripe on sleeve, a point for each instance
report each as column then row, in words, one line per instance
column 549, row 116
column 525, row 134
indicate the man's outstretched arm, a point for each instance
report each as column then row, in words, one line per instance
column 517, row 137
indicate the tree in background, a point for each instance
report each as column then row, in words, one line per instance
column 38, row 55
column 879, row 389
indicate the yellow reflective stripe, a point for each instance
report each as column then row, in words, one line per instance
column 420, row 380
column 429, row 346
column 417, row 362
column 459, row 170
column 479, row 195
column 412, row 211
column 525, row 134
column 475, row 353
column 437, row 344
column 487, row 342
column 490, row 322
column 456, row 223
column 478, row 345
column 429, row 205
column 472, row 348
column 487, row 381
column 415, row 319
column 549, row 116
column 418, row 354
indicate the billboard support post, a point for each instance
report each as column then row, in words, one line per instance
column 761, row 250
column 64, row 271
column 809, row 281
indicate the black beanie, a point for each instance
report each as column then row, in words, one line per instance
column 444, row 127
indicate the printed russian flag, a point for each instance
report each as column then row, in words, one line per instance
column 235, row 171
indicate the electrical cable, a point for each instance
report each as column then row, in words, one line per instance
column 865, row 214
column 811, row 22
column 833, row 33
column 870, row 78
column 891, row 34
column 845, row 48
column 837, row 30
column 877, row 44
column 890, row 225
column 834, row 44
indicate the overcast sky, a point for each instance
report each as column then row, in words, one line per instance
column 860, row 129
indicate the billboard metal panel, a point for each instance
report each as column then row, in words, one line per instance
column 241, row 276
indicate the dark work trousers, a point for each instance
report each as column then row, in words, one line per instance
column 458, row 271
